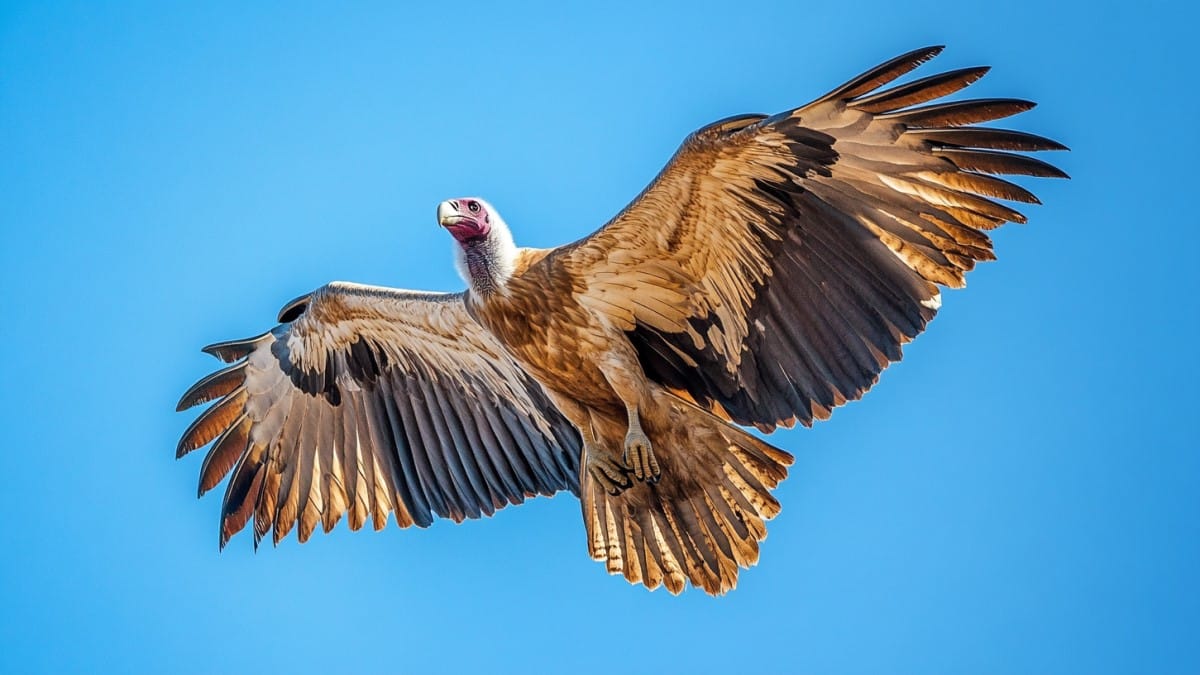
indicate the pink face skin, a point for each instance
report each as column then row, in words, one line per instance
column 467, row 219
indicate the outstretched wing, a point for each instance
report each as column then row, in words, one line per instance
column 777, row 264
column 369, row 400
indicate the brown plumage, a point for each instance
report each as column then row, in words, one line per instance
column 769, row 273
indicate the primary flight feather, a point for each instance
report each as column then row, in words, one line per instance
column 768, row 274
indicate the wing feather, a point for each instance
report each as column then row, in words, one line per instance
column 919, row 91
column 219, row 384
column 795, row 254
column 212, row 422
column 345, row 440
column 508, row 482
column 883, row 74
column 392, row 475
column 334, row 480
column 984, row 137
column 472, row 442
column 461, row 452
column 307, row 467
column 457, row 486
column 959, row 113
column 405, row 412
column 990, row 161
column 224, row 454
column 369, row 401
column 287, row 461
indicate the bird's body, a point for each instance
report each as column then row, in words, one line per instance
column 548, row 333
column 769, row 274
column 633, row 430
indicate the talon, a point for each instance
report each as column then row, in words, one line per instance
column 608, row 473
column 639, row 456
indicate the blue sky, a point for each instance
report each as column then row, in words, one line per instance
column 1021, row 494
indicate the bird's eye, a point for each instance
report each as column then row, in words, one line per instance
column 473, row 207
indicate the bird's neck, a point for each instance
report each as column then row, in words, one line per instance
column 486, row 264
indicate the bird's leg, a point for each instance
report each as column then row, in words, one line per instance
column 639, row 454
column 608, row 472
column 625, row 375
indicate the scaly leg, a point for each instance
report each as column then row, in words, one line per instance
column 625, row 376
column 639, row 454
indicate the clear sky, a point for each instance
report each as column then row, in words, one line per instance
column 1020, row 495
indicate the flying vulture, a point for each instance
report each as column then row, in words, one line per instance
column 767, row 275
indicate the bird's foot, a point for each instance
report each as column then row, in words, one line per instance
column 608, row 473
column 639, row 457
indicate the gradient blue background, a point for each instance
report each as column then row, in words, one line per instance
column 1020, row 495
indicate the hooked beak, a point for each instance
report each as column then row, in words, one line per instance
column 448, row 213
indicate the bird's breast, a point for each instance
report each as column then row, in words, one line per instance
column 553, row 338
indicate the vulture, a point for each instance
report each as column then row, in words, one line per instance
column 767, row 275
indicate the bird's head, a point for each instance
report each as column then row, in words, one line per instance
column 469, row 219
column 485, row 254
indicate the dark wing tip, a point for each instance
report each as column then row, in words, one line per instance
column 903, row 64
column 232, row 350
column 920, row 55
column 212, row 422
column 987, row 138
column 225, row 452
column 960, row 113
column 292, row 310
column 987, row 161
column 210, row 387
column 882, row 74
column 919, row 91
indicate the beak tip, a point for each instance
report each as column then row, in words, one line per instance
column 444, row 211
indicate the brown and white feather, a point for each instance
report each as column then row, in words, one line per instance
column 777, row 264
column 369, row 401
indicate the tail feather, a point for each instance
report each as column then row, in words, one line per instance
column 703, row 520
